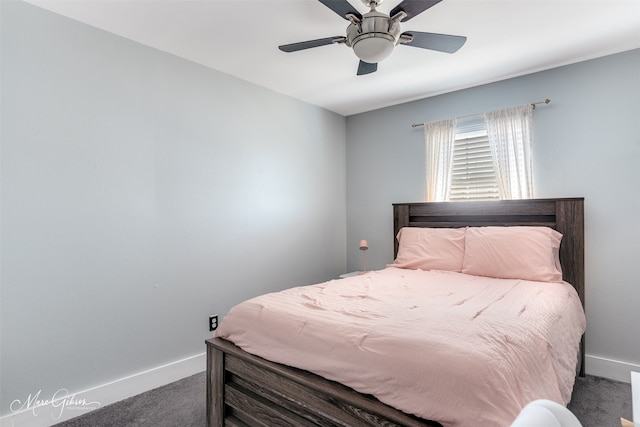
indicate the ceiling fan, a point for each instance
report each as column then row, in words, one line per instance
column 374, row 34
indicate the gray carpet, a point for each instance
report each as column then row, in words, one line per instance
column 179, row 404
column 597, row 402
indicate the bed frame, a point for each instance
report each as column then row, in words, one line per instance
column 246, row 390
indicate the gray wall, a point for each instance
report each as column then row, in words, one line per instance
column 140, row 193
column 586, row 144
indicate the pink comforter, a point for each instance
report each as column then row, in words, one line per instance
column 459, row 349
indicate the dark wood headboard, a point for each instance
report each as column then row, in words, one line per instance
column 564, row 215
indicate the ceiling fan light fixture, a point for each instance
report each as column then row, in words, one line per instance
column 374, row 48
column 373, row 36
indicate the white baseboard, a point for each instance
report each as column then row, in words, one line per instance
column 609, row 368
column 64, row 406
column 635, row 396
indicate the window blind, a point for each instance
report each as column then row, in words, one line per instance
column 473, row 175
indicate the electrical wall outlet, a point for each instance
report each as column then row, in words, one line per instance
column 213, row 322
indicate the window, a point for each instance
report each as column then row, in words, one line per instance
column 480, row 157
column 473, row 176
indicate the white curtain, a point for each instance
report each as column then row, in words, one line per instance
column 439, row 140
column 509, row 133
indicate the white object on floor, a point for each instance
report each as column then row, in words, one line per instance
column 635, row 402
column 545, row 413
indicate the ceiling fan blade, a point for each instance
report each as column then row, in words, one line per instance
column 366, row 68
column 433, row 41
column 341, row 7
column 294, row 47
column 413, row 7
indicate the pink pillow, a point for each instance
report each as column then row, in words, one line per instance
column 529, row 253
column 430, row 248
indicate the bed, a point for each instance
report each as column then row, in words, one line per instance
column 246, row 390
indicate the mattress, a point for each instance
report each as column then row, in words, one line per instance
column 458, row 349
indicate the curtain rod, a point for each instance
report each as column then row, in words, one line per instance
column 546, row 101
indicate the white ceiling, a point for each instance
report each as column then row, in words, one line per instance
column 505, row 38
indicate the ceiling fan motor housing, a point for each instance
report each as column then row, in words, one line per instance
column 374, row 37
